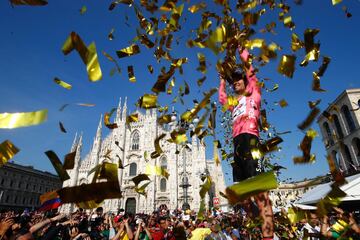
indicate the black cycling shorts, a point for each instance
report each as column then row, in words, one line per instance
column 244, row 166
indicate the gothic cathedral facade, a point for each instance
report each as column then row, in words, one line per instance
column 129, row 142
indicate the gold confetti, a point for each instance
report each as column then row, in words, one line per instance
column 305, row 147
column 179, row 136
column 334, row 2
column 107, row 119
column 287, row 65
column 156, row 170
column 69, row 160
column 7, row 151
column 163, row 78
column 332, row 199
column 62, row 83
column 313, row 104
column 88, row 192
column 216, row 152
column 158, row 149
column 201, row 81
column 111, row 34
column 171, row 86
column 83, row 10
column 132, row 118
column 296, row 43
column 309, row 119
column 250, row 18
column 164, row 119
column 87, row 54
column 338, row 177
column 151, row 69
column 24, row 119
column 205, row 187
column 62, row 129
column 148, row 101
column 289, row 23
column 283, row 103
column 139, row 178
column 189, row 115
column 89, row 204
column 55, row 161
column 86, row 104
column 131, row 74
column 252, row 186
column 141, row 190
column 128, row 51
column 112, row 60
column 29, row 2
column 202, row 63
column 264, row 123
column 320, row 73
column 197, row 7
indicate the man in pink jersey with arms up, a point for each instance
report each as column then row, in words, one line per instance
column 245, row 118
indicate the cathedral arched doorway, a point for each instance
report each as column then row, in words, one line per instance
column 130, row 205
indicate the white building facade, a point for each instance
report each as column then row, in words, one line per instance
column 129, row 142
column 341, row 130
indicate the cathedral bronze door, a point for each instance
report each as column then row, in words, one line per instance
column 130, row 205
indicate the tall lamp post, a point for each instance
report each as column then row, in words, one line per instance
column 179, row 124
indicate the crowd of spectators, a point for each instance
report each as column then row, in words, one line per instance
column 165, row 225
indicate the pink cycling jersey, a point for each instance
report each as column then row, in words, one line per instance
column 246, row 114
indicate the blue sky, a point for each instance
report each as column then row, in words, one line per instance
column 30, row 48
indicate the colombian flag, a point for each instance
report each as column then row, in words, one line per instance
column 49, row 200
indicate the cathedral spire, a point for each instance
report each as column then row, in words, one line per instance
column 74, row 144
column 124, row 110
column 77, row 161
column 98, row 131
column 118, row 112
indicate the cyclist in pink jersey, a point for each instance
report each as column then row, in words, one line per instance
column 245, row 118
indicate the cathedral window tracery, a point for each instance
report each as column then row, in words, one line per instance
column 135, row 140
column 133, row 169
column 163, row 185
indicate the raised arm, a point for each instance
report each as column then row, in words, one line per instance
column 250, row 73
column 222, row 91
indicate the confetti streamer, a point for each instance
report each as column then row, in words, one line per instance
column 197, row 7
column 111, row 34
column 205, row 187
column 24, row 119
column 83, row 10
column 178, row 136
column 69, row 160
column 131, row 75
column 309, row 119
column 296, row 43
column 90, row 192
column 305, row 147
column 188, row 116
column 87, row 54
column 107, row 119
column 62, row 83
column 62, row 129
column 55, row 161
column 132, row 118
column 128, row 51
column 158, row 149
column 29, row 2
column 117, row 67
column 7, row 151
column 252, row 186
column 141, row 190
column 332, row 199
column 287, row 65
column 156, row 170
column 148, row 101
